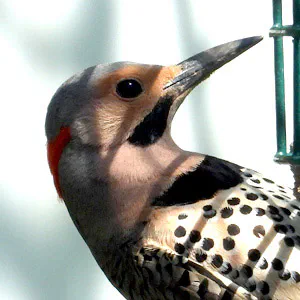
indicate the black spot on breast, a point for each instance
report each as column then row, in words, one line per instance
column 277, row 218
column 180, row 231
column 245, row 209
column 235, row 274
column 277, row 264
column 286, row 211
column 226, row 268
column 259, row 211
column 263, row 264
column 246, row 271
column 263, row 287
column 195, row 236
column 264, row 197
column 182, row 216
column 248, row 174
column 207, row 244
column 268, row 180
column 201, row 256
column 295, row 276
column 209, row 212
column 278, row 197
column 251, row 196
column 154, row 124
column 179, row 248
column 234, row 201
column 259, row 231
column 284, row 275
column 226, row 212
column 233, row 229
column 210, row 176
column 228, row 243
column 217, row 260
column 254, row 254
column 273, row 210
column 289, row 242
column 250, row 285
column 280, row 228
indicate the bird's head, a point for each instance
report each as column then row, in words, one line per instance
column 109, row 106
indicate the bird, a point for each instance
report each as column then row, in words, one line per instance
column 162, row 222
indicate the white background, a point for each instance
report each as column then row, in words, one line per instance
column 42, row 43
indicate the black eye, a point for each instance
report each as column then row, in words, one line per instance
column 129, row 88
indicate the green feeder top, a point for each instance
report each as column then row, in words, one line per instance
column 278, row 31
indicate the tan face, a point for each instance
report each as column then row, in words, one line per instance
column 112, row 117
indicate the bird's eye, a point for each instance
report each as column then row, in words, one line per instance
column 129, row 88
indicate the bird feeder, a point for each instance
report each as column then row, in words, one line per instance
column 278, row 31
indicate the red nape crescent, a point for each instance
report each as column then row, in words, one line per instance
column 54, row 151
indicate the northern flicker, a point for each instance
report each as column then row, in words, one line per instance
column 161, row 222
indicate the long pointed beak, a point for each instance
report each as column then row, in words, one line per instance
column 198, row 67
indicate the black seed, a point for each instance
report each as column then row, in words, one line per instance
column 233, row 201
column 246, row 271
column 259, row 211
column 264, row 197
column 179, row 248
column 184, row 279
column 289, row 242
column 263, row 264
column 207, row 207
column 295, row 276
column 201, row 256
column 251, row 196
column 278, row 197
column 273, row 210
column 254, row 254
column 259, row 231
column 195, row 236
column 277, row 264
column 263, row 287
column 286, row 211
column 228, row 243
column 217, row 260
column 207, row 244
column 233, row 229
column 280, row 228
column 180, row 232
column 226, row 268
column 268, row 180
column 284, row 275
column 250, row 285
column 245, row 209
column 226, row 212
column 182, row 216
column 203, row 288
column 209, row 214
